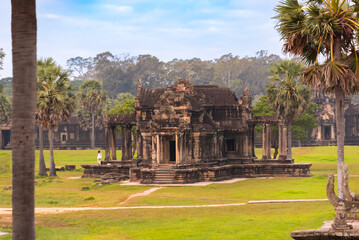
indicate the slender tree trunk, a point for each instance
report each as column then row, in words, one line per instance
column 42, row 166
column 339, row 114
column 23, row 31
column 289, row 152
column 339, row 105
column 52, row 161
column 92, row 131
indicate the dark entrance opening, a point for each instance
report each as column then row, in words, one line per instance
column 327, row 133
column 5, row 139
column 172, row 151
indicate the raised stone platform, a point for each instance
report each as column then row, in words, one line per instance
column 326, row 232
column 213, row 171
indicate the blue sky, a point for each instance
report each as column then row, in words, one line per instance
column 164, row 28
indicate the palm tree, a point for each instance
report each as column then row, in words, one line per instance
column 92, row 98
column 55, row 100
column 23, row 31
column 286, row 96
column 326, row 29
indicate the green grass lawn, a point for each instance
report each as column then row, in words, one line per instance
column 255, row 221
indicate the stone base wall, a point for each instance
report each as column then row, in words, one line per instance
column 96, row 171
column 219, row 173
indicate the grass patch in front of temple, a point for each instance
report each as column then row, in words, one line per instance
column 250, row 222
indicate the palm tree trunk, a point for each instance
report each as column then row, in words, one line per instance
column 42, row 166
column 289, row 152
column 52, row 161
column 92, row 131
column 23, row 31
column 339, row 115
column 339, row 108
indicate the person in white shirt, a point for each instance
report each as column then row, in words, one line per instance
column 99, row 157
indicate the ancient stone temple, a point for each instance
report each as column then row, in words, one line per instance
column 187, row 133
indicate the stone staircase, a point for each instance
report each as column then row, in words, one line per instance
column 164, row 174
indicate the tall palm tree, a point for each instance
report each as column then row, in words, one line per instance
column 23, row 32
column 55, row 100
column 92, row 98
column 326, row 29
column 286, row 96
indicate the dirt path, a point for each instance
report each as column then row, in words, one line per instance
column 145, row 193
column 7, row 211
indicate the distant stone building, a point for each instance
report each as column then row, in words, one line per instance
column 188, row 133
column 325, row 133
column 69, row 135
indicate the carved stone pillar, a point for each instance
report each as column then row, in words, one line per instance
column 245, row 145
column 253, row 141
column 124, row 143
column 107, row 143
column 282, row 146
column 332, row 132
column 264, row 142
column 158, row 151
column 269, row 141
column 319, row 135
column 113, row 143
column 154, row 151
column 139, row 145
column 197, row 146
column 178, row 150
column 129, row 142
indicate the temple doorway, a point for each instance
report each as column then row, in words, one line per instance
column 5, row 139
column 327, row 133
column 172, row 151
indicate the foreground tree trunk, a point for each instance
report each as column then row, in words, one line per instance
column 339, row 115
column 339, row 109
column 52, row 161
column 289, row 152
column 92, row 131
column 23, row 31
column 42, row 166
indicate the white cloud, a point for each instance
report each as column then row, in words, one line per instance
column 117, row 8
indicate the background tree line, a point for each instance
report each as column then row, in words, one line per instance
column 120, row 74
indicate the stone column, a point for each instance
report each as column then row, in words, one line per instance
column 129, row 142
column 107, row 143
column 319, row 134
column 139, row 145
column 196, row 147
column 113, row 143
column 282, row 146
column 269, row 141
column 285, row 141
column 178, row 159
column 332, row 134
column 253, row 142
column 158, row 151
column 245, row 145
column 264, row 142
column 154, row 151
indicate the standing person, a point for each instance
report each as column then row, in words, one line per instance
column 99, row 157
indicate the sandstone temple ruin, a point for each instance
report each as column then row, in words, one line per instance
column 187, row 133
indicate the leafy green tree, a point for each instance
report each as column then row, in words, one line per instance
column 24, row 38
column 7, row 86
column 92, row 98
column 5, row 107
column 326, row 29
column 55, row 103
column 287, row 97
column 127, row 107
column 306, row 121
column 2, row 56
